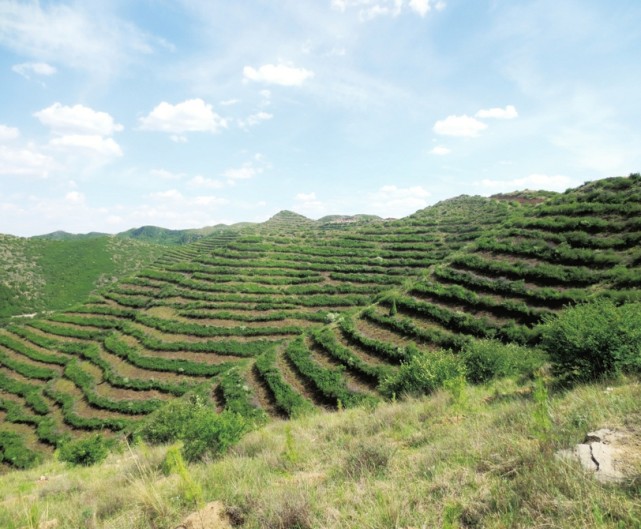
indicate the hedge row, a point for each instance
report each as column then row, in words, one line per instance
column 287, row 399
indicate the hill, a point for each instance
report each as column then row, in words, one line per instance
column 283, row 318
column 56, row 271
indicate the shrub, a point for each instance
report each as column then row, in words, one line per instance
column 211, row 434
column 85, row 452
column 594, row 339
column 488, row 359
column 194, row 421
column 423, row 373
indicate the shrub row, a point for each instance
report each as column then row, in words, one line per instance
column 85, row 382
column 238, row 397
column 383, row 350
column 330, row 382
column 187, row 367
column 45, row 427
column 26, row 370
column 67, row 402
column 407, row 327
column 325, row 338
column 30, row 394
column 287, row 399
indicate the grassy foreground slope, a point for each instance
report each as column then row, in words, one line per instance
column 480, row 459
column 280, row 319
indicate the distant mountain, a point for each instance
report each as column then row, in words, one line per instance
column 65, row 236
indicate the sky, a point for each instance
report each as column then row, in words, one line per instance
column 188, row 113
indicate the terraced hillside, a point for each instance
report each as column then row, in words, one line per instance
column 286, row 317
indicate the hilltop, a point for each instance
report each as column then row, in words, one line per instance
column 288, row 318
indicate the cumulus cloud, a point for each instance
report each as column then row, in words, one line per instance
column 463, row 126
column 207, row 183
column 440, row 150
column 27, row 69
column 192, row 115
column 89, row 142
column 532, row 181
column 25, row 162
column 254, row 119
column 509, row 112
column 8, row 133
column 75, row 197
column 77, row 119
column 280, row 74
column 305, row 197
column 247, row 170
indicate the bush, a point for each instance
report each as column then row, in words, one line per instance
column 194, row 421
column 488, row 359
column 596, row 339
column 85, row 452
column 423, row 373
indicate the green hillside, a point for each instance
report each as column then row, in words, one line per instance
column 284, row 318
column 52, row 273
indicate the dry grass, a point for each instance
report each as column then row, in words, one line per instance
column 421, row 463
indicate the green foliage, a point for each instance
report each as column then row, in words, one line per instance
column 592, row 340
column 488, row 359
column 287, row 399
column 84, row 452
column 194, row 421
column 175, row 464
column 423, row 373
column 15, row 453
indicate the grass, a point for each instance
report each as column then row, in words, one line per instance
column 429, row 462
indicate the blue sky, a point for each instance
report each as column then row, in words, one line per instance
column 188, row 113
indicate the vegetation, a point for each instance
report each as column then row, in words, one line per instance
column 469, row 301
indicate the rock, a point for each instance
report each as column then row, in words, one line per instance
column 605, row 452
column 211, row 516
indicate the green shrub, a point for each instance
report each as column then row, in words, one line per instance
column 85, row 452
column 194, row 421
column 488, row 359
column 423, row 373
column 594, row 339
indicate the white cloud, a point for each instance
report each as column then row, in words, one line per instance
column 532, row 181
column 209, row 200
column 280, row 74
column 25, row 162
column 79, row 36
column 440, row 150
column 420, row 6
column 8, row 133
column 192, row 115
column 26, row 69
column 229, row 102
column 306, row 197
column 245, row 172
column 393, row 201
column 208, row 183
column 75, row 197
column 163, row 174
column 89, row 142
column 464, row 126
column 170, row 194
column 509, row 112
column 77, row 119
column 248, row 170
column 369, row 9
column 254, row 119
